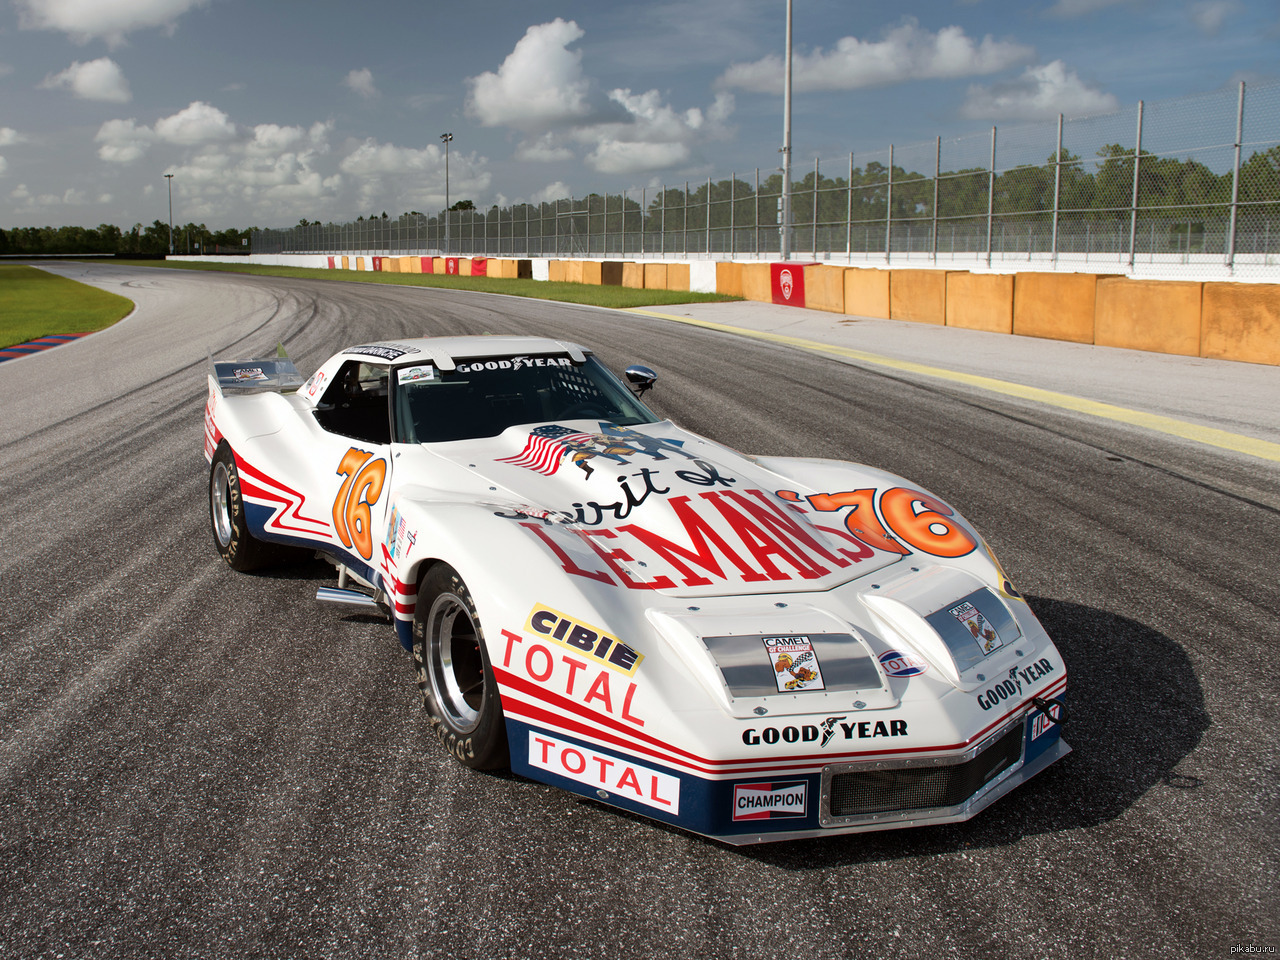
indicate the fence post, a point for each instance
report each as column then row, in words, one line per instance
column 888, row 212
column 813, row 231
column 684, row 225
column 708, row 251
column 662, row 222
column 733, row 215
column 1133, row 209
column 937, row 175
column 991, row 194
column 1235, row 185
column 644, row 215
column 757, row 211
column 1057, row 193
column 848, row 216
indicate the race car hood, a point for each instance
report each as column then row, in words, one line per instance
column 655, row 507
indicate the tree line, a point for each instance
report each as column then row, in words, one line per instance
column 107, row 238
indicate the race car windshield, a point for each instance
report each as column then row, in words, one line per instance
column 484, row 396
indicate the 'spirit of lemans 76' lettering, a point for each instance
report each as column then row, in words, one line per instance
column 1012, row 687
column 808, row 733
column 584, row 639
column 625, row 778
column 550, row 668
column 768, row 544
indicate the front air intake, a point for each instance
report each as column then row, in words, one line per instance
column 901, row 789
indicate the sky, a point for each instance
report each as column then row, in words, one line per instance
column 267, row 112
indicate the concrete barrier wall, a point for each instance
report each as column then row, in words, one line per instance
column 1214, row 319
column 918, row 295
column 866, row 293
column 824, row 288
column 1160, row 316
column 980, row 301
column 1241, row 321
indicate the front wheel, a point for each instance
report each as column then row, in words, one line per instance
column 458, row 690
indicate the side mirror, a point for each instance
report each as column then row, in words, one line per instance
column 641, row 377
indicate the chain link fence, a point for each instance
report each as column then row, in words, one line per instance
column 1182, row 186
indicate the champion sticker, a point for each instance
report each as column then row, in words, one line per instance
column 249, row 373
column 977, row 624
column 766, row 801
column 795, row 664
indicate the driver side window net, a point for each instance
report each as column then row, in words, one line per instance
column 355, row 405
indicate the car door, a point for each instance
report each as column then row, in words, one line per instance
column 354, row 461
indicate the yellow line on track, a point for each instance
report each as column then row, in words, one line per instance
column 1238, row 443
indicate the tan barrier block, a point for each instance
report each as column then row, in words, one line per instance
column 591, row 272
column 918, row 295
column 611, row 273
column 866, row 293
column 464, row 266
column 406, row 264
column 633, row 275
column 729, row 279
column 1241, row 321
column 655, row 276
column 359, row 263
column 573, row 271
column 346, row 264
column 980, row 301
column 824, row 287
column 1055, row 306
column 391, row 264
column 437, row 264
column 503, row 269
column 413, row 265
column 556, row 271
column 1160, row 316
column 757, row 282
column 678, row 276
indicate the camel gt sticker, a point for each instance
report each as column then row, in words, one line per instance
column 977, row 625
column 795, row 664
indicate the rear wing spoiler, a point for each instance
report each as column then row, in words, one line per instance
column 258, row 375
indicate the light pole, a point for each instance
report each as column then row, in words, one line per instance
column 448, row 139
column 786, row 147
column 169, row 177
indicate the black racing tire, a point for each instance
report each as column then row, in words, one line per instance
column 455, row 678
column 241, row 550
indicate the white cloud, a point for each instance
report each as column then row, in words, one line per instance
column 123, row 141
column 10, row 136
column 270, row 139
column 109, row 20
column 1040, row 93
column 198, row 123
column 403, row 177
column 906, row 53
column 1209, row 15
column 630, row 157
column 540, row 84
column 361, row 81
column 549, row 148
column 4, row 165
column 552, row 192
column 100, row 79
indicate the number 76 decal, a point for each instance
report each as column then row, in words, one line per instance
column 929, row 530
column 352, row 516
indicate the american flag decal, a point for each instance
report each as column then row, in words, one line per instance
column 545, row 448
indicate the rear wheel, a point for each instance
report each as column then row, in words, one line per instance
column 231, row 535
column 455, row 677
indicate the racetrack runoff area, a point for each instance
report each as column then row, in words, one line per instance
column 1212, row 319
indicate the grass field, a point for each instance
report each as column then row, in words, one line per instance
column 602, row 296
column 34, row 304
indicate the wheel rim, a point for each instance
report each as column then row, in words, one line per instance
column 455, row 664
column 220, row 502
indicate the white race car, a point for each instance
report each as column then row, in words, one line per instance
column 750, row 648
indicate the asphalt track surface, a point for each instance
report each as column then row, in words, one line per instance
column 199, row 763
